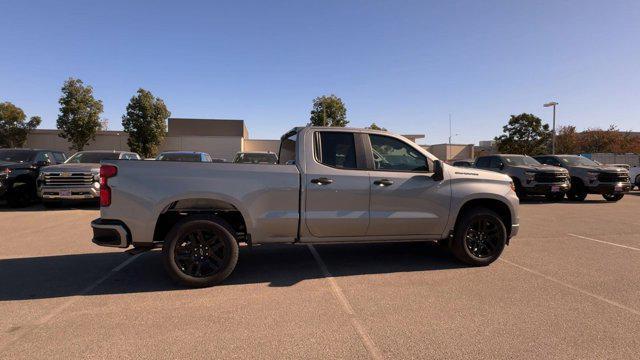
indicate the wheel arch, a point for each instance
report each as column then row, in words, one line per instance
column 498, row 206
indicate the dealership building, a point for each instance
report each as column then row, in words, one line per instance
column 221, row 138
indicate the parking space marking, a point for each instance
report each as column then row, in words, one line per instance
column 371, row 347
column 56, row 311
column 604, row 242
column 572, row 287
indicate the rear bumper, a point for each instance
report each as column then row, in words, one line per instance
column 545, row 189
column 69, row 193
column 110, row 233
column 610, row 188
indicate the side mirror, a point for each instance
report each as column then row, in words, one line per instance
column 42, row 163
column 501, row 166
column 438, row 171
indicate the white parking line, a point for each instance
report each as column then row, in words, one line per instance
column 371, row 347
column 56, row 311
column 604, row 242
column 584, row 292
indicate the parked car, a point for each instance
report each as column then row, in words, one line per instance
column 336, row 192
column 189, row 156
column 634, row 175
column 219, row 160
column 589, row 177
column 78, row 178
column 19, row 170
column 529, row 176
column 256, row 157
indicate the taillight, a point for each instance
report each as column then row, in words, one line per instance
column 106, row 172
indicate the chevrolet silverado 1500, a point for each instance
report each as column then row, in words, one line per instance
column 330, row 185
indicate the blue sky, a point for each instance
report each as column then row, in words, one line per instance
column 402, row 64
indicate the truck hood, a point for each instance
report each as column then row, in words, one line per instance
column 474, row 173
column 604, row 169
column 89, row 167
column 540, row 168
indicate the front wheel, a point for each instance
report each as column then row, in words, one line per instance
column 200, row 251
column 612, row 197
column 19, row 196
column 577, row 191
column 479, row 238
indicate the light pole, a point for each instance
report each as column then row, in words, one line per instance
column 553, row 141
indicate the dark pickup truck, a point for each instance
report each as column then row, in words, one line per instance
column 19, row 170
column 589, row 177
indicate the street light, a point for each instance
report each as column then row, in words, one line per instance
column 553, row 142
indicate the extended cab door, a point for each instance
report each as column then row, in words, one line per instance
column 405, row 200
column 336, row 184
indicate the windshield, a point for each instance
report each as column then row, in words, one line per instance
column 190, row 157
column 577, row 161
column 520, row 160
column 16, row 155
column 92, row 157
column 253, row 158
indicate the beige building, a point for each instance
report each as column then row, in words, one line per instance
column 451, row 151
column 220, row 138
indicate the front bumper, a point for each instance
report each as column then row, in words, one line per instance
column 610, row 188
column 110, row 233
column 545, row 189
column 69, row 193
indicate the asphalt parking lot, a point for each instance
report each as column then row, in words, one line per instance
column 567, row 287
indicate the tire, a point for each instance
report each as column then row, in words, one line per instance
column 612, row 197
column 473, row 250
column 200, row 251
column 19, row 196
column 555, row 197
column 577, row 191
column 638, row 181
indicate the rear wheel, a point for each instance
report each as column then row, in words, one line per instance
column 200, row 251
column 577, row 191
column 479, row 238
column 612, row 197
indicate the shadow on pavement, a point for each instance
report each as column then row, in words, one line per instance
column 4, row 207
column 281, row 265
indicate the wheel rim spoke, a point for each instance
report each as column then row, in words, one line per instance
column 200, row 253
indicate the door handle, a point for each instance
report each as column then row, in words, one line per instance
column 383, row 182
column 322, row 181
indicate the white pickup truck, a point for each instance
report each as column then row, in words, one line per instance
column 330, row 185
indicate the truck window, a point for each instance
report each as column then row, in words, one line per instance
column 483, row 162
column 60, row 158
column 496, row 162
column 394, row 155
column 336, row 149
column 287, row 153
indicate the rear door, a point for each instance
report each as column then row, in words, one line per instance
column 336, row 184
column 405, row 200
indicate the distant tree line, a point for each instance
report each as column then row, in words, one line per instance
column 526, row 134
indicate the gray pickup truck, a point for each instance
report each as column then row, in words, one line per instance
column 77, row 178
column 530, row 176
column 328, row 187
column 589, row 177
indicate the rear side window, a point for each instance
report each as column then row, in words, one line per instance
column 496, row 162
column 336, row 149
column 483, row 162
column 287, row 153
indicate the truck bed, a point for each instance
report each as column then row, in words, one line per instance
column 267, row 196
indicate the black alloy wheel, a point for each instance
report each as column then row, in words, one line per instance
column 200, row 253
column 479, row 237
column 200, row 250
column 483, row 237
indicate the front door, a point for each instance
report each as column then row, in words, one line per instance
column 405, row 200
column 337, row 187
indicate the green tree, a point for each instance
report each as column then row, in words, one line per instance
column 329, row 110
column 524, row 134
column 145, row 123
column 374, row 126
column 79, row 118
column 14, row 126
